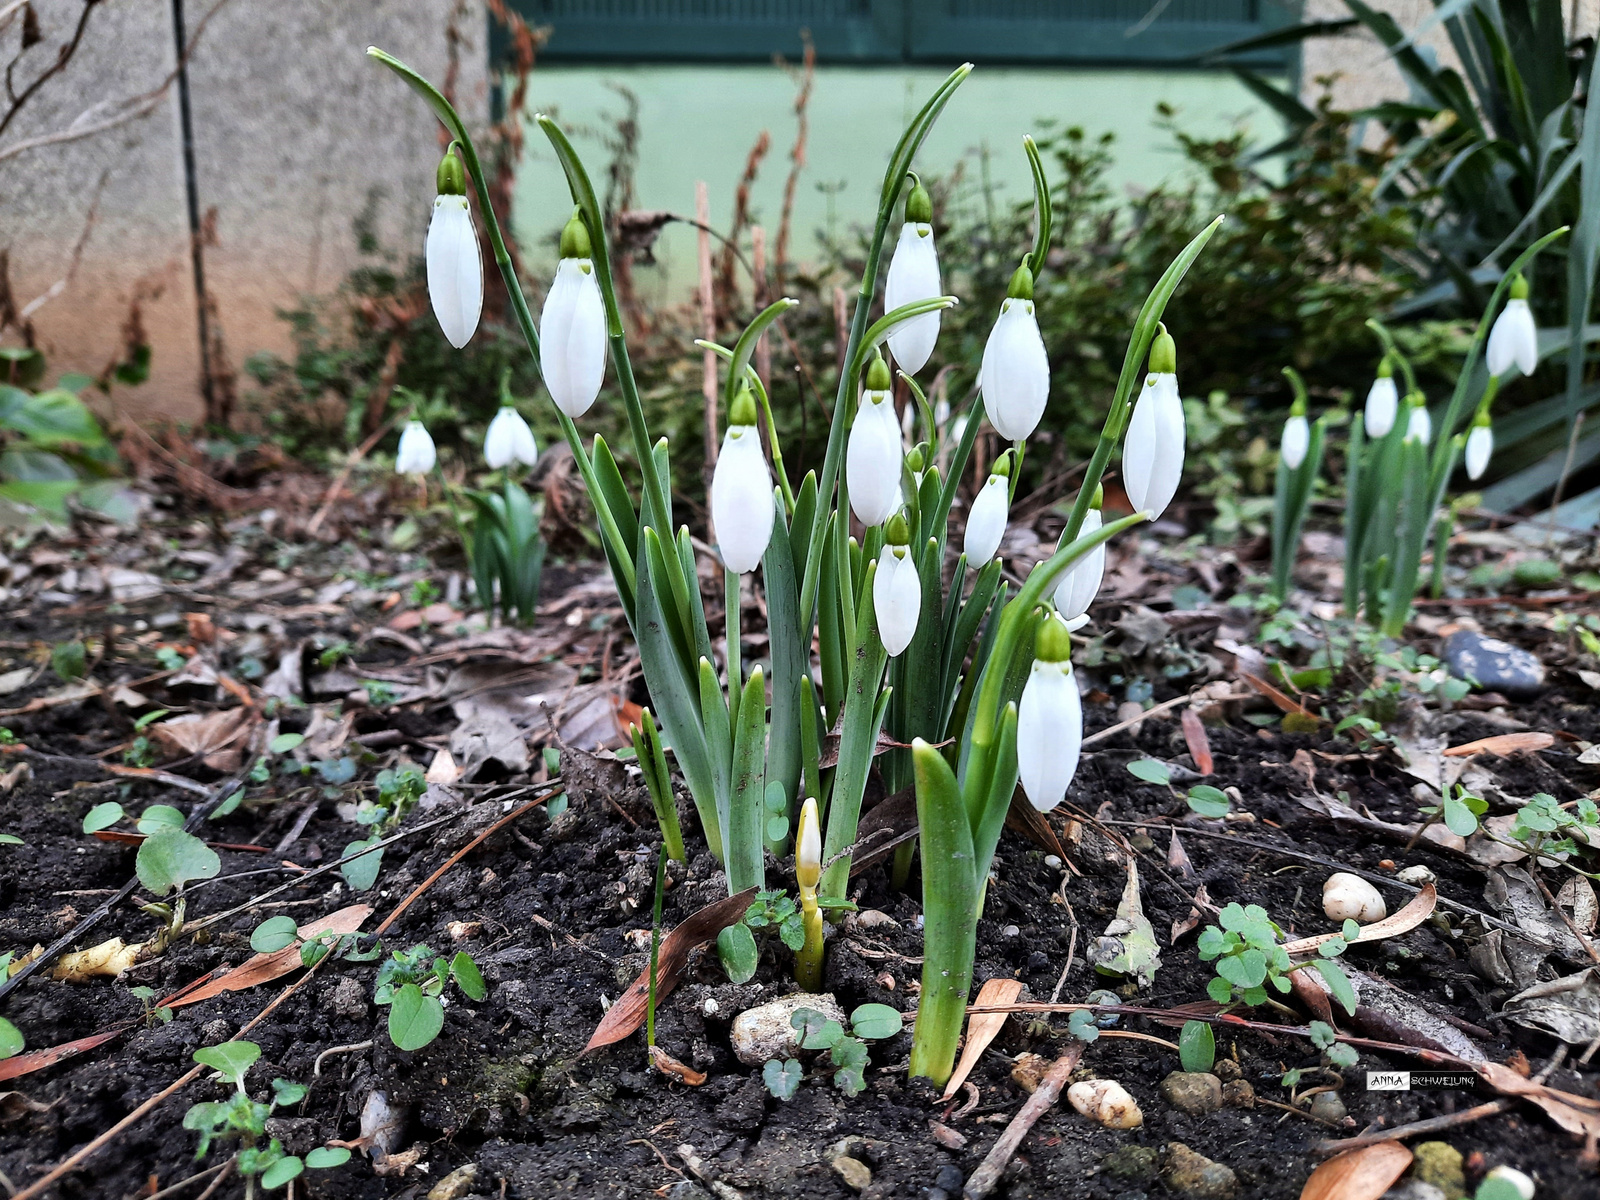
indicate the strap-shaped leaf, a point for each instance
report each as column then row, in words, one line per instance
column 746, row 845
column 1041, row 209
column 790, row 661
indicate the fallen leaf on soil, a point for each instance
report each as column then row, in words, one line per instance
column 1178, row 857
column 1567, row 1008
column 111, row 958
column 1574, row 1113
column 155, row 776
column 1408, row 918
column 443, row 768
column 1342, row 814
column 983, row 1028
column 628, row 1013
column 1128, row 946
column 1577, row 893
column 1027, row 820
column 20, row 773
column 1388, row 1013
column 1504, row 745
column 205, row 734
column 264, row 968
column 1364, row 1174
column 1282, row 699
column 672, row 1068
column 1194, row 735
column 38, row 1060
column 1179, row 928
column 15, row 681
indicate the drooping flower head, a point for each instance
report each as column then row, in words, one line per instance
column 1152, row 452
column 1081, row 583
column 455, row 266
column 1383, row 401
column 1419, row 425
column 572, row 328
column 1049, row 719
column 509, row 440
column 896, row 588
column 741, row 490
column 1015, row 375
column 1480, row 444
column 913, row 276
column 1514, row 340
column 874, row 452
column 1296, row 436
column 986, row 523
column 416, row 455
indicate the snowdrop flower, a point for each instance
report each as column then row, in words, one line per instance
column 1296, row 436
column 1152, row 452
column 741, row 490
column 1081, row 583
column 1514, row 338
column 986, row 523
column 1419, row 425
column 416, row 455
column 572, row 328
column 509, row 440
column 1049, row 719
column 1383, row 401
column 1480, row 445
column 896, row 589
column 808, row 847
column 1015, row 375
column 874, row 452
column 455, row 267
column 913, row 276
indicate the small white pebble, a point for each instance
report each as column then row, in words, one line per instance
column 1515, row 1178
column 711, row 1008
column 1010, row 931
column 1051, row 861
column 1347, row 897
column 1106, row 1102
column 1417, row 876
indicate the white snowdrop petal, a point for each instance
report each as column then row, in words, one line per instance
column 1419, row 425
column 896, row 600
column 455, row 269
column 1015, row 375
column 986, row 523
column 416, row 454
column 1296, row 440
column 1049, row 734
column 1081, row 583
column 1152, row 452
column 572, row 338
column 1514, row 340
column 872, row 460
column 741, row 500
column 1480, row 445
column 913, row 275
column 509, row 440
column 1383, row 401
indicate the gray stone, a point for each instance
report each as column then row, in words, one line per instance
column 949, row 1179
column 1193, row 1092
column 1326, row 1106
column 853, row 1171
column 1191, row 1174
column 1493, row 665
column 348, row 998
column 1239, row 1093
column 1131, row 1162
column 764, row 1032
column 1414, row 1189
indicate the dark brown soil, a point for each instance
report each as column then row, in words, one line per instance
column 549, row 907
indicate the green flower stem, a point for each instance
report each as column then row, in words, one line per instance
column 732, row 616
column 808, row 959
column 652, row 762
column 1144, row 332
column 621, row 553
column 655, row 947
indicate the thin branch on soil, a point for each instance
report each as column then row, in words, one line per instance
column 193, row 1179
column 1562, row 913
column 988, row 1173
column 1432, row 1125
column 316, row 1067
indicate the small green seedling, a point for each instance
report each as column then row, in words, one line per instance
column 737, row 947
column 398, row 792
column 152, row 1016
column 246, row 1119
column 1197, row 1046
column 411, row 984
column 278, row 933
column 169, row 856
column 70, row 661
column 847, row 1052
column 1204, row 799
column 1542, row 826
column 11, row 1040
column 1335, row 1054
column 1248, row 958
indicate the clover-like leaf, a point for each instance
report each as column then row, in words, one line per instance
column 324, row 1157
column 1197, row 1046
column 877, row 1022
column 782, row 1078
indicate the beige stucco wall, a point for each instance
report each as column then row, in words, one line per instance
column 293, row 127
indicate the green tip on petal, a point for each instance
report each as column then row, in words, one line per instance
column 575, row 237
column 743, row 410
column 1519, row 287
column 896, row 532
column 1163, row 353
column 919, row 205
column 1099, row 500
column 1021, row 286
column 1298, row 408
column 451, row 177
column 1053, row 643
column 878, row 378
column 1002, row 466
column 1385, row 368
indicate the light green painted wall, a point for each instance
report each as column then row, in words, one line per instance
column 699, row 122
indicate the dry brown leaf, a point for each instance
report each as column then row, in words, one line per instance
column 628, row 1013
column 1408, row 918
column 672, row 1068
column 264, row 968
column 1504, row 744
column 1363, row 1174
column 1179, row 928
column 1577, row 893
column 982, row 1028
column 1282, row 699
column 205, row 735
column 38, row 1060
column 1574, row 1113
column 1194, row 735
column 443, row 768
